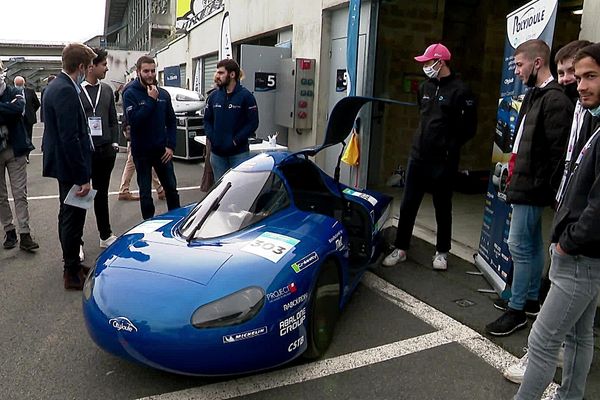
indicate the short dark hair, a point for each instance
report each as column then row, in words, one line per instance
column 230, row 65
column 101, row 55
column 533, row 49
column 593, row 51
column 75, row 54
column 144, row 60
column 570, row 49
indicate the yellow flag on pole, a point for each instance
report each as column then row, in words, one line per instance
column 351, row 154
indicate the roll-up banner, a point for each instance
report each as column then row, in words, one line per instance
column 534, row 20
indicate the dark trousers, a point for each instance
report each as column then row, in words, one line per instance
column 437, row 179
column 70, row 229
column 166, row 175
column 29, row 129
column 103, row 162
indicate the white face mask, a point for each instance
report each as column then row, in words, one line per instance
column 430, row 71
column 595, row 111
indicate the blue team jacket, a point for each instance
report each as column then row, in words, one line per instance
column 228, row 118
column 153, row 123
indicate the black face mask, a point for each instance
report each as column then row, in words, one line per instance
column 531, row 81
column 571, row 91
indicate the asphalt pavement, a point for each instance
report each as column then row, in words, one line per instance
column 408, row 332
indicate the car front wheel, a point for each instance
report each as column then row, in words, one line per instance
column 324, row 311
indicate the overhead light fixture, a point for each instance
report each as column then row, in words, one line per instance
column 577, row 12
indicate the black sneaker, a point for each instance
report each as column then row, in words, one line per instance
column 532, row 307
column 509, row 322
column 27, row 242
column 11, row 239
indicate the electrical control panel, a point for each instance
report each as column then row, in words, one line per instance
column 296, row 92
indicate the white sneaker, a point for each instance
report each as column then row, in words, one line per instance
column 440, row 261
column 81, row 253
column 107, row 242
column 394, row 258
column 552, row 392
column 515, row 372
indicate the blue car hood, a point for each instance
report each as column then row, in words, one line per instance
column 171, row 257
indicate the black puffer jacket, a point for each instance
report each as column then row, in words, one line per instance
column 539, row 163
column 448, row 119
column 576, row 225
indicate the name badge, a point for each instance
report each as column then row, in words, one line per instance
column 95, row 124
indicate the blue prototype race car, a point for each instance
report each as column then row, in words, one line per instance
column 249, row 278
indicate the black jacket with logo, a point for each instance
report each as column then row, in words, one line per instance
column 448, row 119
column 576, row 225
column 539, row 163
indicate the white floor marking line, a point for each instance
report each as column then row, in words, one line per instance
column 477, row 344
column 55, row 196
column 315, row 370
column 450, row 331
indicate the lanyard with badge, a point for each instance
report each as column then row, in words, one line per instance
column 94, row 122
column 578, row 118
column 561, row 194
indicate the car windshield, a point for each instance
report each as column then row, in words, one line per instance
column 240, row 199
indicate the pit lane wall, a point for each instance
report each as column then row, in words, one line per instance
column 534, row 20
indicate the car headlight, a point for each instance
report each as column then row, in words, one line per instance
column 234, row 309
column 183, row 97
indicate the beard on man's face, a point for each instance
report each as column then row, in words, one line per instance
column 223, row 82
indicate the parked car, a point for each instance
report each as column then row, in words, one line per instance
column 185, row 101
column 249, row 278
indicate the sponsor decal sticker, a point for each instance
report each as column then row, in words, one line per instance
column 236, row 337
column 149, row 226
column 292, row 323
column 122, row 324
column 295, row 302
column 282, row 292
column 305, row 262
column 296, row 344
column 362, row 195
column 271, row 246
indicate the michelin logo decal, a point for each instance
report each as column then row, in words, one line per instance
column 236, row 337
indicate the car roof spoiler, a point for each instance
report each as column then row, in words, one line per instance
column 341, row 121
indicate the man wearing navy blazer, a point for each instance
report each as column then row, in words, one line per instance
column 68, row 148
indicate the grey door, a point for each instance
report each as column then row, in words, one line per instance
column 260, row 63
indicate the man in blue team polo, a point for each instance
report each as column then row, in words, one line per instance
column 230, row 118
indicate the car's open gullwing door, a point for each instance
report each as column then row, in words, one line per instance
column 341, row 120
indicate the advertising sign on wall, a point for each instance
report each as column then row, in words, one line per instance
column 191, row 13
column 534, row 20
column 172, row 76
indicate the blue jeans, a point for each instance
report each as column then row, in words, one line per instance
column 567, row 315
column 526, row 247
column 220, row 165
column 166, row 176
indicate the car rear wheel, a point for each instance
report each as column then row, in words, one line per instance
column 324, row 311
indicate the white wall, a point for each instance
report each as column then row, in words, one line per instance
column 590, row 29
column 250, row 18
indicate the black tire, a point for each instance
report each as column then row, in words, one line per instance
column 324, row 311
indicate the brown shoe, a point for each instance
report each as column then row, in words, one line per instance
column 73, row 281
column 162, row 195
column 128, row 196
